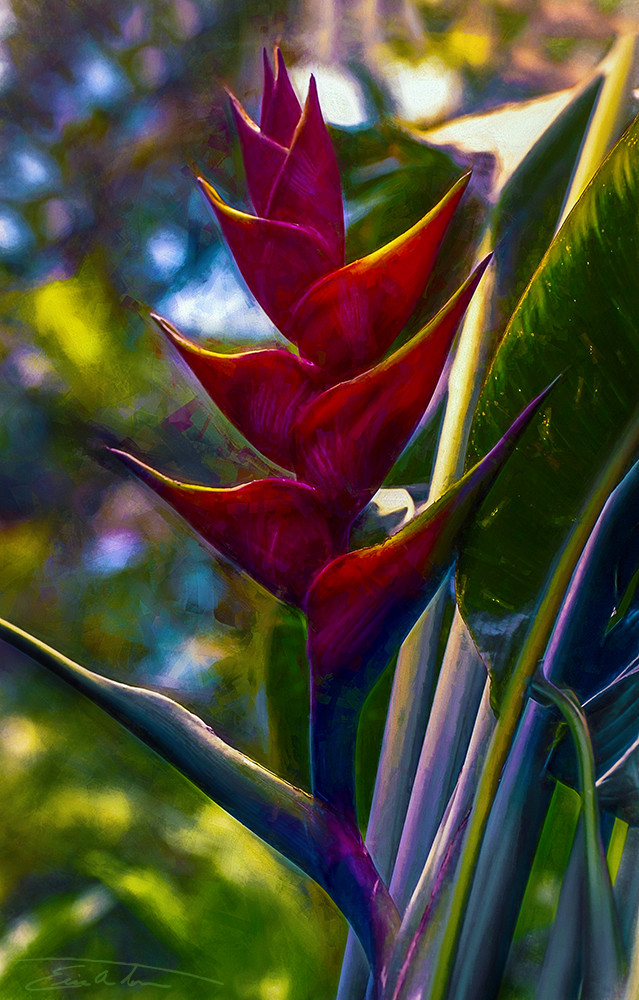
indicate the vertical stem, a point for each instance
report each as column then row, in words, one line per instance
column 423, row 899
column 465, row 381
column 408, row 711
column 627, row 893
column 560, row 977
column 459, row 691
column 606, row 119
column 626, row 890
column 411, row 699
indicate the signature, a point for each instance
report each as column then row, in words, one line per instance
column 59, row 980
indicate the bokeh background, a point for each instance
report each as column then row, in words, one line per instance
column 105, row 108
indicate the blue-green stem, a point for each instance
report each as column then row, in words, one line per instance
column 412, row 694
column 427, row 904
column 450, row 726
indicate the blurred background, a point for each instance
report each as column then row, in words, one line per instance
column 104, row 108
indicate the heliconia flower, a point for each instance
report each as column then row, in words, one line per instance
column 341, row 445
column 274, row 529
column 363, row 603
column 342, row 440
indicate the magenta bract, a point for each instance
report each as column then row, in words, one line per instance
column 337, row 415
column 274, row 528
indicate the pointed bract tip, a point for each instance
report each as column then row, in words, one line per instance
column 507, row 444
column 528, row 411
column 211, row 194
column 238, row 110
column 266, row 66
column 461, row 184
column 129, row 460
column 151, row 476
column 478, row 273
column 312, row 98
column 171, row 331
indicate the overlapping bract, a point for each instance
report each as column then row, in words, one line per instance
column 337, row 415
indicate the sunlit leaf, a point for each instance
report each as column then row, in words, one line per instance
column 579, row 314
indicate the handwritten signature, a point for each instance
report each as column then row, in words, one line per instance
column 102, row 978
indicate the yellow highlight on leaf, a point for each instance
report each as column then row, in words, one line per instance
column 469, row 47
column 78, row 315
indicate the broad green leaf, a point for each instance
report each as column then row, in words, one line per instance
column 525, row 218
column 579, row 315
column 390, row 180
column 521, row 228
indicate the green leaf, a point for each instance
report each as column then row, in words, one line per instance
column 525, row 218
column 579, row 315
column 520, row 227
column 390, row 180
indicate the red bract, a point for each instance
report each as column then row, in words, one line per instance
column 291, row 254
column 261, row 392
column 348, row 320
column 278, row 260
column 274, row 528
column 337, row 416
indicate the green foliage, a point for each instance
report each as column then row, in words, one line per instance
column 577, row 316
column 136, row 865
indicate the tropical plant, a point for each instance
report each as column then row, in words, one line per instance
column 503, row 586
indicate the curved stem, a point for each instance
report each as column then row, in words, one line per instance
column 602, row 954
